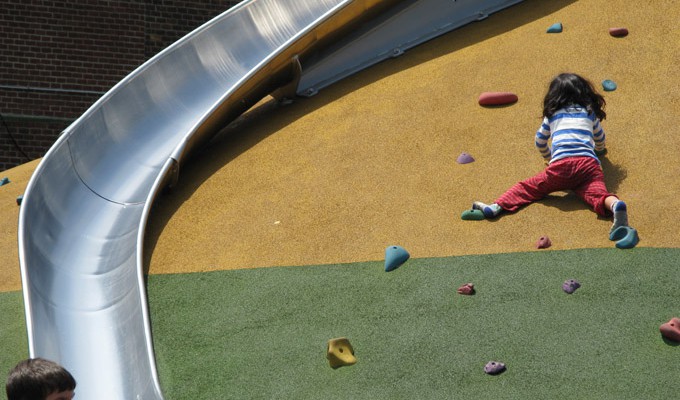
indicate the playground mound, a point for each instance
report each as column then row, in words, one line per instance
column 371, row 161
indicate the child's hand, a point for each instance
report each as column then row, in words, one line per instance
column 601, row 153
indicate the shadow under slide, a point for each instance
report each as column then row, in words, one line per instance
column 83, row 217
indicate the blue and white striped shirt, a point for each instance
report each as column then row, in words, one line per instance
column 574, row 133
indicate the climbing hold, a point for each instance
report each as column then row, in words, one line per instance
column 618, row 32
column 467, row 289
column 4, row 181
column 20, row 198
column 543, row 242
column 472, row 215
column 570, row 286
column 395, row 256
column 608, row 85
column 494, row 367
column 340, row 353
column 671, row 329
column 464, row 158
column 555, row 28
column 626, row 237
column 497, row 98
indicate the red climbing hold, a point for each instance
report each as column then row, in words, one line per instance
column 467, row 289
column 671, row 329
column 497, row 98
column 543, row 243
column 618, row 32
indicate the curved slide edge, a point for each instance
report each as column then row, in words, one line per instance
column 82, row 220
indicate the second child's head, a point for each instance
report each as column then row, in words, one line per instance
column 40, row 379
column 571, row 89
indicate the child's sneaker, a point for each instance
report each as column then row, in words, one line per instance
column 620, row 215
column 489, row 210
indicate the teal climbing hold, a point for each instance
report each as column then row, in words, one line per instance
column 20, row 198
column 4, row 181
column 555, row 28
column 626, row 237
column 608, row 85
column 472, row 215
column 395, row 256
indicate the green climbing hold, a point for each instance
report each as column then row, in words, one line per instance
column 395, row 256
column 626, row 237
column 608, row 85
column 472, row 215
column 555, row 28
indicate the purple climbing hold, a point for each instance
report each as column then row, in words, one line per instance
column 464, row 158
column 494, row 367
column 570, row 286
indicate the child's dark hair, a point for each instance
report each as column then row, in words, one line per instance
column 568, row 89
column 37, row 378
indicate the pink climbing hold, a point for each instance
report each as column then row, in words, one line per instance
column 464, row 158
column 618, row 32
column 497, row 98
column 467, row 289
column 543, row 243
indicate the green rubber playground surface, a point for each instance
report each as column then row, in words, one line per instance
column 262, row 333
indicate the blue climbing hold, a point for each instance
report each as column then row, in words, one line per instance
column 555, row 28
column 626, row 237
column 608, row 85
column 4, row 181
column 395, row 256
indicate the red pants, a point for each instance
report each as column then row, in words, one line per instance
column 583, row 175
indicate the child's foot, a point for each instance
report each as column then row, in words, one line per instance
column 620, row 215
column 489, row 210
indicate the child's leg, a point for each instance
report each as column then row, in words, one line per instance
column 620, row 211
column 530, row 190
column 594, row 192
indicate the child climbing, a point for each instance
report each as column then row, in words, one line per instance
column 570, row 139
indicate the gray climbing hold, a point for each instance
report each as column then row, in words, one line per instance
column 494, row 367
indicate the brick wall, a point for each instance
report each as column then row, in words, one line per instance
column 58, row 58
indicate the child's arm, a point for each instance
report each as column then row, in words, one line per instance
column 599, row 137
column 542, row 137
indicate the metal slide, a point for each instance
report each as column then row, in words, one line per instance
column 82, row 221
